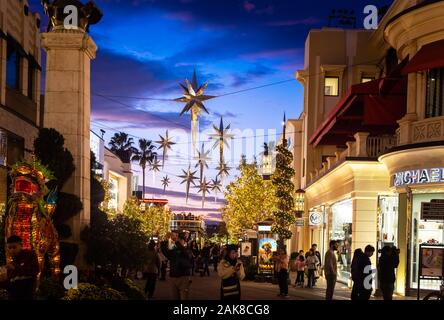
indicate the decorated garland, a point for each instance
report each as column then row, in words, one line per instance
column 284, row 214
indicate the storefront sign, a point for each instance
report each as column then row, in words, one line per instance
column 299, row 223
column 420, row 176
column 315, row 218
column 264, row 228
column 433, row 210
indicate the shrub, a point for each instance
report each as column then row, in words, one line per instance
column 86, row 291
column 3, row 294
column 128, row 288
column 50, row 289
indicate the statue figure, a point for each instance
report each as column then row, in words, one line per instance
column 88, row 14
column 30, row 216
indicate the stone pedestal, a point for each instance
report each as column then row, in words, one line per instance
column 67, row 109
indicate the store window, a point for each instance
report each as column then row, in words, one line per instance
column 114, row 191
column 435, row 91
column 12, row 66
column 341, row 231
column 423, row 232
column 332, row 86
column 31, row 73
column 388, row 221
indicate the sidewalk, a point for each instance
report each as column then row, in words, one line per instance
column 208, row 288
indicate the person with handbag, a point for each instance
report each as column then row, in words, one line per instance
column 312, row 263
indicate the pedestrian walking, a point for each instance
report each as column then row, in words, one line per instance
column 355, row 274
column 388, row 262
column 194, row 256
column 300, row 268
column 231, row 271
column 163, row 266
column 364, row 277
column 282, row 272
column 331, row 269
column 215, row 254
column 180, row 266
column 151, row 269
column 22, row 271
column 314, row 247
column 205, row 256
column 311, row 262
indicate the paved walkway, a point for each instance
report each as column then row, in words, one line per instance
column 208, row 288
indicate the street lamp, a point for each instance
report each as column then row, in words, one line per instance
column 266, row 166
column 299, row 201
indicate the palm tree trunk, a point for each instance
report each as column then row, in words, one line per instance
column 143, row 183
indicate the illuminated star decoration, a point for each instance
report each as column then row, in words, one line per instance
column 165, row 144
column 165, row 183
column 188, row 178
column 221, row 136
column 204, row 188
column 216, row 186
column 202, row 158
column 155, row 167
column 193, row 97
column 223, row 170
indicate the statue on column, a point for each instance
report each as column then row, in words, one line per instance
column 30, row 215
column 88, row 13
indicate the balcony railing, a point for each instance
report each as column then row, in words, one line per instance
column 364, row 147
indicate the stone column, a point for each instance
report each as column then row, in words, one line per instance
column 403, row 244
column 67, row 109
column 364, row 223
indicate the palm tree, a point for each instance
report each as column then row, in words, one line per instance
column 144, row 156
column 122, row 145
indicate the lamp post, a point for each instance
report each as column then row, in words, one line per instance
column 299, row 202
column 266, row 166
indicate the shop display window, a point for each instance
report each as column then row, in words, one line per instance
column 388, row 221
column 113, row 190
column 423, row 232
column 341, row 231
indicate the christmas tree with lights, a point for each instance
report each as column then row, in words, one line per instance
column 282, row 180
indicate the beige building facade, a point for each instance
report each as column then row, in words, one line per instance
column 371, row 146
column 20, row 73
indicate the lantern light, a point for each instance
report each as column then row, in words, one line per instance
column 299, row 202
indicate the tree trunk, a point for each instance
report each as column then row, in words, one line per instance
column 143, row 183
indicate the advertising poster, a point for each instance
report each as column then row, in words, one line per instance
column 432, row 262
column 266, row 248
column 246, row 249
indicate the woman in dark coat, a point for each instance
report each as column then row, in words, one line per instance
column 388, row 262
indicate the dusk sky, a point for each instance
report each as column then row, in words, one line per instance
column 148, row 47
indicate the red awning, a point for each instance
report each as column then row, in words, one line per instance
column 364, row 108
column 428, row 57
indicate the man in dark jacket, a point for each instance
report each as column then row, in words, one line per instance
column 180, row 266
column 22, row 271
column 388, row 262
column 364, row 273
